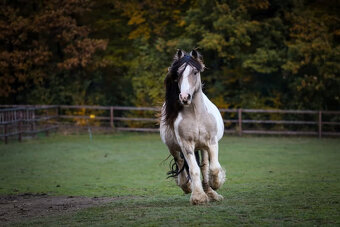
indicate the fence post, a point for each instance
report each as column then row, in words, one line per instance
column 240, row 121
column 320, row 124
column 57, row 112
column 57, row 119
column 111, row 117
column 5, row 130
column 33, row 122
column 19, row 126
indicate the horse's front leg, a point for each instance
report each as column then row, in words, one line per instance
column 198, row 195
column 217, row 173
column 205, row 172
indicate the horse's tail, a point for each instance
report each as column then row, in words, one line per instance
column 175, row 171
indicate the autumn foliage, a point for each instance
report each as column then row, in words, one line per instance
column 41, row 39
column 258, row 53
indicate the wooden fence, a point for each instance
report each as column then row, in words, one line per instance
column 318, row 122
column 23, row 121
column 143, row 119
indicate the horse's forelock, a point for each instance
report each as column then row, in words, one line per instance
column 186, row 59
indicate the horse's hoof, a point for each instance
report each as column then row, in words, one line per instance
column 214, row 196
column 198, row 199
column 217, row 178
column 219, row 198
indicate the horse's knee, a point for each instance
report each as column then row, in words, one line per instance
column 195, row 173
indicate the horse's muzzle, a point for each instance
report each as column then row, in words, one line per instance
column 185, row 98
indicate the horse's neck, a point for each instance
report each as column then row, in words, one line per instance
column 197, row 106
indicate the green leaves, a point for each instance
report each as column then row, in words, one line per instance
column 313, row 55
column 264, row 61
column 117, row 52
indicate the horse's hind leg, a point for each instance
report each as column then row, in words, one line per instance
column 182, row 180
column 214, row 196
column 217, row 173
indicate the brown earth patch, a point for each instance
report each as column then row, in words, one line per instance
column 16, row 208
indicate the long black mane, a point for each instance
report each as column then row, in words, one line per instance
column 172, row 104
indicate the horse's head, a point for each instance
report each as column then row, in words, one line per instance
column 185, row 71
column 181, row 83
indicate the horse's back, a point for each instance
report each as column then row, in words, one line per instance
column 212, row 109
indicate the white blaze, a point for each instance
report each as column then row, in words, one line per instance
column 185, row 86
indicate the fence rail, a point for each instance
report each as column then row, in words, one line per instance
column 23, row 120
column 143, row 119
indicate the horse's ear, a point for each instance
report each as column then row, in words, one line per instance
column 194, row 54
column 179, row 54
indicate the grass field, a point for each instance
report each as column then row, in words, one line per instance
column 270, row 180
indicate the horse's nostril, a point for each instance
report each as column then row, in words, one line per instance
column 184, row 96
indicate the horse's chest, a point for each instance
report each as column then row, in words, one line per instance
column 199, row 130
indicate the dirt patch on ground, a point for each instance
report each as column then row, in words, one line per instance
column 16, row 208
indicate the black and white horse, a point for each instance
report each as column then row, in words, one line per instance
column 191, row 123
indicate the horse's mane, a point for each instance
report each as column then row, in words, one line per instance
column 172, row 105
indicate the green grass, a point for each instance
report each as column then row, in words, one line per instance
column 270, row 180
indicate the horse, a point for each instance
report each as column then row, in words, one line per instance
column 191, row 125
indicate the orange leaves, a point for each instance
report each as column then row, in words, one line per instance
column 141, row 31
column 152, row 18
column 18, row 67
column 36, row 45
column 81, row 52
column 255, row 4
column 215, row 42
column 137, row 18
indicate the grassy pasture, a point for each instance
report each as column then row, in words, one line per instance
column 270, row 180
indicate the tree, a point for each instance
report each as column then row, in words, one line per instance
column 154, row 28
column 313, row 56
column 43, row 45
column 258, row 53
